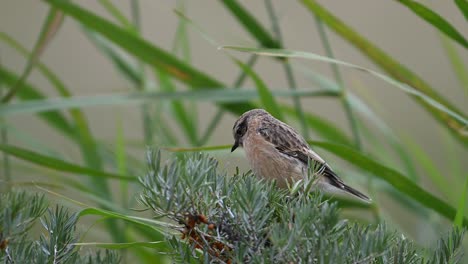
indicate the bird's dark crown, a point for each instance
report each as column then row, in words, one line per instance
column 241, row 125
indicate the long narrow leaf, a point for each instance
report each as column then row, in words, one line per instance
column 436, row 176
column 251, row 24
column 29, row 92
column 146, row 52
column 463, row 6
column 457, row 63
column 209, row 95
column 51, row 25
column 393, row 177
column 456, row 117
column 186, row 123
column 80, row 132
column 436, row 20
column 394, row 69
column 460, row 216
column 57, row 164
column 266, row 97
column 123, row 64
column 155, row 244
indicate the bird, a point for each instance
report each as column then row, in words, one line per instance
column 277, row 151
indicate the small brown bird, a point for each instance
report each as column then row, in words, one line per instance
column 276, row 151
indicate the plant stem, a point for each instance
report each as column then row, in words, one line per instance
column 339, row 80
column 287, row 68
column 145, row 109
column 6, row 158
column 353, row 121
column 214, row 121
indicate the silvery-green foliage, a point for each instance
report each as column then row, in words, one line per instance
column 19, row 211
column 243, row 219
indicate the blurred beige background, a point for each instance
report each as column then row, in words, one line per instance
column 386, row 23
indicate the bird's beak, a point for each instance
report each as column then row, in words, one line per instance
column 236, row 144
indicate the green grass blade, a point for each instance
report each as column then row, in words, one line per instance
column 362, row 108
column 463, row 6
column 436, row 105
column 198, row 149
column 266, row 97
column 123, row 64
column 147, row 223
column 146, row 52
column 29, row 92
column 393, row 177
column 209, row 95
column 436, row 20
column 186, row 123
column 460, row 216
column 365, row 111
column 43, row 69
column 60, row 165
column 457, row 63
column 437, row 177
column 120, row 158
column 287, row 67
column 81, row 132
column 393, row 68
column 49, row 28
column 116, row 13
column 154, row 244
column 352, row 119
column 181, row 42
column 251, row 24
column 28, row 139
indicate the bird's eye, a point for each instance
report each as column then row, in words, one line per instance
column 239, row 132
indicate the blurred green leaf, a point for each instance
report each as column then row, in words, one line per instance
column 154, row 244
column 433, row 103
column 60, row 165
column 80, row 132
column 208, row 95
column 393, row 177
column 198, row 149
column 266, row 97
column 139, row 221
column 460, row 216
column 392, row 139
column 116, row 13
column 120, row 158
column 28, row 92
column 463, row 6
column 49, row 28
column 394, row 69
column 121, row 62
column 436, row 20
column 437, row 177
column 457, row 63
column 146, row 52
column 251, row 24
column 186, row 123
column 365, row 111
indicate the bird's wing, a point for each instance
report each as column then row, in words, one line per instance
column 288, row 142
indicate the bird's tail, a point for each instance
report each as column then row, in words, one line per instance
column 356, row 193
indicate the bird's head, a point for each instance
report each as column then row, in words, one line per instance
column 240, row 128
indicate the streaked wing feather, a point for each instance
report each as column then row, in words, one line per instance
column 287, row 141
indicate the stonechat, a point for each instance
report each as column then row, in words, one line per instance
column 276, row 151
